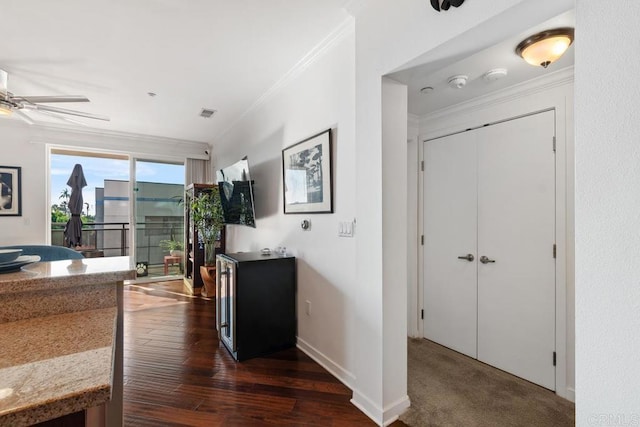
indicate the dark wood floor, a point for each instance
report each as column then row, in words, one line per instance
column 177, row 373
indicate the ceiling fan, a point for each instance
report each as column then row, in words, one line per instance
column 10, row 103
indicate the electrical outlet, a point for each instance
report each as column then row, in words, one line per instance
column 307, row 307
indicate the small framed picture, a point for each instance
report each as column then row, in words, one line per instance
column 306, row 169
column 10, row 191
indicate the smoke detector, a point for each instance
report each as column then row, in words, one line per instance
column 495, row 74
column 457, row 82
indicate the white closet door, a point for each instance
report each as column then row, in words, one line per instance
column 516, row 228
column 450, row 223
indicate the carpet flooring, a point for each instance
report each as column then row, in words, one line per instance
column 447, row 388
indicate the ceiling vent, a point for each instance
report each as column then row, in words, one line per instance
column 206, row 113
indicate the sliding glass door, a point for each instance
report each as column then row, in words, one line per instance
column 159, row 218
column 150, row 230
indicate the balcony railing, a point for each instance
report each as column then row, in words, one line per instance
column 112, row 239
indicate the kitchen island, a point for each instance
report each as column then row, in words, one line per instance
column 61, row 341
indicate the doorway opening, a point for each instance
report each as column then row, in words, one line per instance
column 444, row 110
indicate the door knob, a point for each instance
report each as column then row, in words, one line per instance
column 485, row 260
column 468, row 257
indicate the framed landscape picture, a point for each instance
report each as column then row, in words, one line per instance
column 306, row 169
column 10, row 191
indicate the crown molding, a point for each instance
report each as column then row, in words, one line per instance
column 520, row 90
column 95, row 132
column 112, row 141
column 346, row 28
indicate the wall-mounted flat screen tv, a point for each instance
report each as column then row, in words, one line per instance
column 236, row 193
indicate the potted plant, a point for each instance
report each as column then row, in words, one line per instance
column 206, row 214
column 174, row 247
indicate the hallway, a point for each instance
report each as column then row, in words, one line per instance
column 447, row 388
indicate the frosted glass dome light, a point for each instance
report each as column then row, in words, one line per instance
column 544, row 48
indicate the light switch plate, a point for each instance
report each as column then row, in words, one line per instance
column 345, row 229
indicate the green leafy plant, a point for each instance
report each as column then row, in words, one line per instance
column 206, row 214
column 171, row 245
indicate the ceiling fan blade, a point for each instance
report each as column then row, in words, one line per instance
column 54, row 98
column 65, row 111
column 23, row 116
column 61, row 117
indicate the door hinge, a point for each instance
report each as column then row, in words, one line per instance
column 422, row 314
column 422, row 165
column 554, row 144
column 554, row 250
column 554, row 358
column 422, row 240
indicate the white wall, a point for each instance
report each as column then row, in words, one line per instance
column 320, row 97
column 394, row 242
column 607, row 206
column 390, row 35
column 26, row 146
column 17, row 151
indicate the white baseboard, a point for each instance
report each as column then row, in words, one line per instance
column 365, row 405
column 392, row 412
column 571, row 394
column 346, row 377
column 382, row 417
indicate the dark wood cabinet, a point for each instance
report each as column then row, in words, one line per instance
column 194, row 247
column 256, row 303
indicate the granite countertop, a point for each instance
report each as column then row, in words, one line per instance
column 66, row 274
column 59, row 337
column 54, row 365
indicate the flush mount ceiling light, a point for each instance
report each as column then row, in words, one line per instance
column 426, row 90
column 546, row 47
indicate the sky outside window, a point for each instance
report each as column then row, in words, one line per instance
column 96, row 170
